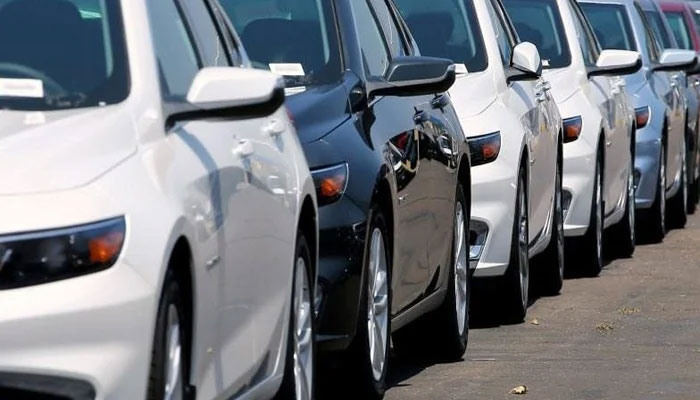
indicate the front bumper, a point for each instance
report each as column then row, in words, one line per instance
column 95, row 330
column 494, row 188
column 342, row 236
column 43, row 387
column 577, row 183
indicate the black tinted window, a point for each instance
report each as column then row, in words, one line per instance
column 295, row 38
column 391, row 30
column 57, row 54
column 539, row 22
column 447, row 29
column 679, row 29
column 659, row 29
column 372, row 42
column 611, row 25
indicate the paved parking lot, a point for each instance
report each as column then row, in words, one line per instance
column 632, row 333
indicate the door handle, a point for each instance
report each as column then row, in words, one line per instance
column 243, row 149
column 540, row 96
column 274, row 128
column 440, row 101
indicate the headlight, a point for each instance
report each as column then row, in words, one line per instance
column 484, row 149
column 330, row 183
column 40, row 257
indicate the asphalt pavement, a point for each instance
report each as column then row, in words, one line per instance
column 631, row 333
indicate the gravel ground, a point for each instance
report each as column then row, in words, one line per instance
column 632, row 333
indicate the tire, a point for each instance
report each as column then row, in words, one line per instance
column 677, row 209
column 623, row 234
column 370, row 374
column 516, row 282
column 692, row 167
column 551, row 262
column 298, row 381
column 167, row 375
column 589, row 248
column 452, row 318
column 652, row 222
column 694, row 196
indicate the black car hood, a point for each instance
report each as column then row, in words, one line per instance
column 318, row 110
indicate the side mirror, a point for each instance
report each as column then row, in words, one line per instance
column 616, row 62
column 413, row 76
column 525, row 63
column 222, row 88
column 676, row 60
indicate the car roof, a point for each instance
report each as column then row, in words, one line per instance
column 623, row 2
column 672, row 5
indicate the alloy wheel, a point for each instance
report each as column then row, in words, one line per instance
column 173, row 357
column 559, row 221
column 377, row 304
column 460, row 269
column 303, row 333
column 523, row 250
column 631, row 204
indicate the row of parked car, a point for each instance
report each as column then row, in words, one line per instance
column 224, row 198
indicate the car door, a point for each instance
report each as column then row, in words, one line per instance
column 440, row 147
column 256, row 186
column 618, row 142
column 528, row 99
column 399, row 124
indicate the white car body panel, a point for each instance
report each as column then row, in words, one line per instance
column 239, row 215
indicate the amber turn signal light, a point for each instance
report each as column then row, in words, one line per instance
column 485, row 149
column 642, row 116
column 330, row 183
column 572, row 128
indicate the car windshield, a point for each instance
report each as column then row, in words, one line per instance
column 679, row 29
column 611, row 25
column 539, row 22
column 657, row 26
column 294, row 38
column 61, row 54
column 447, row 29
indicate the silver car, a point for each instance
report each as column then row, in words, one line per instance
column 660, row 102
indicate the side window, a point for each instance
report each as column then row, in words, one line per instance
column 652, row 45
column 206, row 33
column 391, row 31
column 372, row 42
column 587, row 47
column 175, row 51
column 505, row 42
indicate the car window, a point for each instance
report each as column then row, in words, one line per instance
column 177, row 57
column 653, row 46
column 659, row 30
column 696, row 19
column 447, row 29
column 539, row 22
column 680, row 29
column 61, row 55
column 505, row 42
column 611, row 25
column 391, row 30
column 206, row 33
column 373, row 44
column 587, row 46
column 294, row 38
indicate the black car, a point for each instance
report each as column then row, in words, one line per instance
column 392, row 174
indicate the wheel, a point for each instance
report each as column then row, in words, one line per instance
column 516, row 282
column 692, row 167
column 370, row 348
column 623, row 234
column 167, row 376
column 446, row 329
column 298, row 381
column 694, row 196
column 678, row 205
column 653, row 221
column 590, row 246
column 452, row 323
column 552, row 260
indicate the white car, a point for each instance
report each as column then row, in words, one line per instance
column 515, row 136
column 598, row 124
column 159, row 233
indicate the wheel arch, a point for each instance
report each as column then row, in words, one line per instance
column 308, row 226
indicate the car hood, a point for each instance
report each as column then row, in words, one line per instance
column 59, row 150
column 561, row 82
column 318, row 110
column 472, row 94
